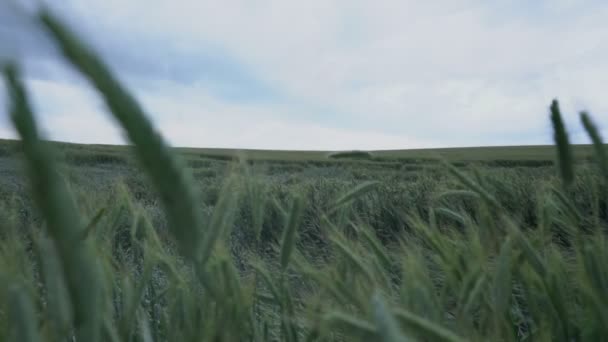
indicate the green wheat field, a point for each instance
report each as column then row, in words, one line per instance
column 150, row 243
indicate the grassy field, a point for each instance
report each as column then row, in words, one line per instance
column 462, row 154
column 148, row 243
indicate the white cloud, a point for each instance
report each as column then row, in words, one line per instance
column 293, row 136
column 72, row 113
column 396, row 74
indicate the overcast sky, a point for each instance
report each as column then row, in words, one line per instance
column 321, row 74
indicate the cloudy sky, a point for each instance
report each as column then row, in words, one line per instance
column 322, row 74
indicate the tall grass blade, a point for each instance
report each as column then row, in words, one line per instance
column 598, row 143
column 388, row 328
column 61, row 214
column 451, row 214
column 353, row 257
column 57, row 296
column 356, row 192
column 564, row 152
column 289, row 234
column 426, row 327
column 267, row 280
column 223, row 214
column 457, row 193
column 471, row 184
column 502, row 279
column 170, row 179
column 355, row 326
column 24, row 322
column 379, row 250
column 93, row 223
column 474, row 295
column 529, row 252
